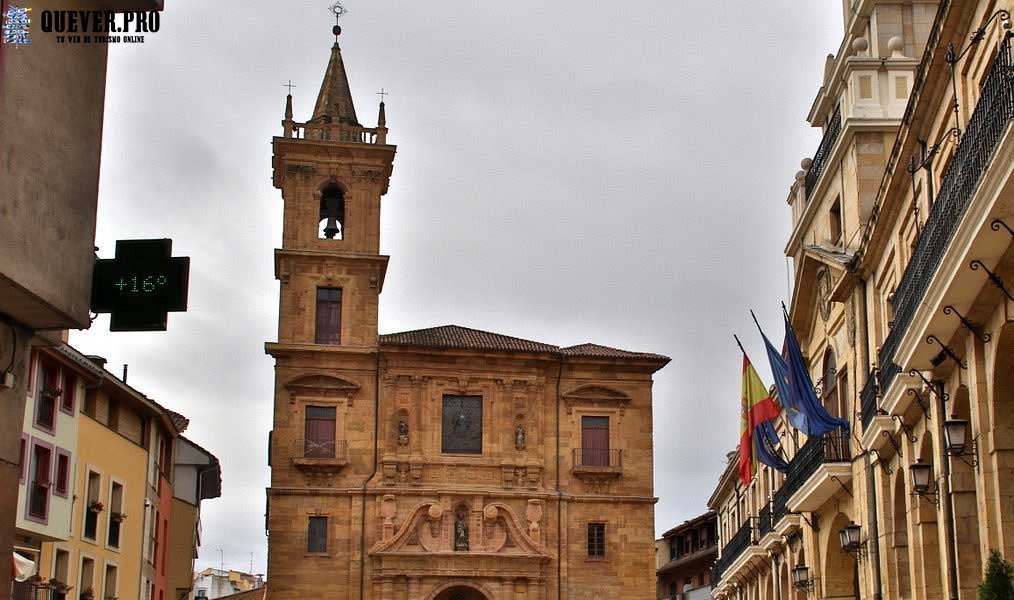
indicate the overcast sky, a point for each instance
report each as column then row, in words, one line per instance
column 567, row 171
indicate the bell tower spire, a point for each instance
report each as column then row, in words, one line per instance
column 334, row 101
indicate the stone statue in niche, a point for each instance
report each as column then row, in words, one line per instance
column 461, row 532
column 403, row 432
column 520, row 437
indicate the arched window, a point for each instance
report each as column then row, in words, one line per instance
column 331, row 225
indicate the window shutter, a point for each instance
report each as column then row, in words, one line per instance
column 595, row 441
column 329, row 316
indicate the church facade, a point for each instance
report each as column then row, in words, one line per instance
column 444, row 463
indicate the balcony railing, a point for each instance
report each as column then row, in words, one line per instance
column 38, row 499
column 601, row 458
column 764, row 521
column 832, row 447
column 989, row 120
column 869, row 400
column 734, row 548
column 823, row 153
column 779, row 505
column 322, row 449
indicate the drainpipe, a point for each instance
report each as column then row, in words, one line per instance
column 376, row 445
column 559, row 494
column 871, row 479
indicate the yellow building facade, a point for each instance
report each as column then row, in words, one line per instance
column 902, row 247
column 116, row 547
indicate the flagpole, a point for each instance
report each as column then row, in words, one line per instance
column 738, row 343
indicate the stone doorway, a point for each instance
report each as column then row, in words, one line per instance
column 460, row 593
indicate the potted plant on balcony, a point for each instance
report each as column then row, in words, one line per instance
column 35, row 581
column 58, row 586
column 51, row 393
column 96, row 506
column 119, row 517
column 88, row 594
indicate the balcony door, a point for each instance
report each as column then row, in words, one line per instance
column 319, row 441
column 595, row 441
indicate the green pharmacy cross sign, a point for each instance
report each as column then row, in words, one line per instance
column 141, row 285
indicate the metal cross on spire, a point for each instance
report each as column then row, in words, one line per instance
column 382, row 93
column 289, row 85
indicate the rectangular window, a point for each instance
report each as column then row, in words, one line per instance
column 836, row 223
column 595, row 441
column 111, row 581
column 61, row 565
column 62, row 473
column 38, row 492
column 21, row 457
column 329, row 316
column 316, row 534
column 91, row 519
column 596, row 539
column 115, row 514
column 462, row 425
column 320, row 432
column 69, row 395
column 45, row 408
column 165, row 545
column 87, row 574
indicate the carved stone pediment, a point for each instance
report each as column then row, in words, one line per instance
column 595, row 395
column 322, row 386
column 495, row 530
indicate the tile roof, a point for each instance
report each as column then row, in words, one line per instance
column 454, row 336
column 464, row 338
column 598, row 351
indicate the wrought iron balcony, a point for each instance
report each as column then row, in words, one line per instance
column 869, row 400
column 318, row 455
column 818, row 450
column 764, row 521
column 735, row 547
column 779, row 506
column 823, row 153
column 598, row 459
column 989, row 120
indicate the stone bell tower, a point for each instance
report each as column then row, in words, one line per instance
column 332, row 172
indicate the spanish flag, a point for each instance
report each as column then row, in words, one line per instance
column 758, row 408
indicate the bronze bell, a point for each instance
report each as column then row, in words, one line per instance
column 332, row 208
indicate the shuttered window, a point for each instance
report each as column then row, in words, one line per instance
column 329, row 316
column 319, row 441
column 316, row 534
column 596, row 539
column 595, row 441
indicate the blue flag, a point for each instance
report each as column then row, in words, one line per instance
column 783, row 383
column 804, row 398
column 765, row 447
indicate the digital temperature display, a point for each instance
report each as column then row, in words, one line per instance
column 141, row 285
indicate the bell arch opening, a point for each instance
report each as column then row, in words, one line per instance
column 331, row 220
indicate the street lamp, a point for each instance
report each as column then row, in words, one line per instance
column 922, row 473
column 956, row 441
column 801, row 579
column 851, row 540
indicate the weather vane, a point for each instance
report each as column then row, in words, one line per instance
column 337, row 10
